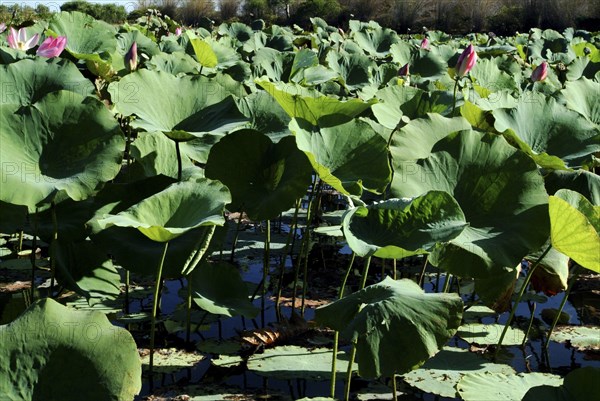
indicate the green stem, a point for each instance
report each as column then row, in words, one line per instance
column 562, row 305
column 235, row 237
column 454, row 101
column 53, row 246
column 179, row 161
column 155, row 306
column 33, row 249
column 336, row 336
column 283, row 259
column 353, row 351
column 312, row 209
column 394, row 388
column 394, row 274
column 127, row 291
column 265, row 273
column 447, row 282
column 422, row 276
column 519, row 297
column 188, row 318
column 532, row 310
column 20, row 246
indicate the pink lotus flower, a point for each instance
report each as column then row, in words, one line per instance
column 540, row 73
column 466, row 61
column 2, row 27
column 132, row 57
column 425, row 43
column 18, row 40
column 178, row 31
column 404, row 70
column 52, row 47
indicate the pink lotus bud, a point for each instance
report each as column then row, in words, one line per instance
column 466, row 61
column 52, row 47
column 425, row 43
column 540, row 73
column 404, row 70
column 18, row 40
column 132, row 57
column 2, row 27
column 178, row 31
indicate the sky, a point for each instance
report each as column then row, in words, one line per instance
column 54, row 5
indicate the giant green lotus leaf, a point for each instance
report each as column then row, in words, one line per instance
column 398, row 228
column 35, row 78
column 579, row 385
column 87, row 38
column 584, row 182
column 264, row 178
column 172, row 105
column 179, row 208
column 63, row 146
column 575, row 228
column 393, row 318
column 552, row 134
column 376, row 42
column 355, row 70
column 312, row 106
column 350, row 157
column 486, row 386
column 415, row 139
column 218, row 288
column 177, row 63
column 154, row 154
column 272, row 63
column 54, row 353
column 488, row 75
column 388, row 111
column 583, row 96
column 132, row 249
column 500, row 192
column 429, row 64
column 265, row 114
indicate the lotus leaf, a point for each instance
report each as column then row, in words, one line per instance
column 294, row 362
column 393, row 318
column 50, row 344
column 575, row 226
column 501, row 193
column 350, row 157
column 398, row 228
column 579, row 385
column 218, row 288
column 486, row 386
column 265, row 178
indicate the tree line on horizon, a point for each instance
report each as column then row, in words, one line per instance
column 503, row 17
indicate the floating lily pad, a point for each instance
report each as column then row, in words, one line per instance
column 213, row 346
column 440, row 374
column 486, row 386
column 474, row 313
column 171, row 360
column 579, row 385
column 293, row 362
column 227, row 361
column 580, row 337
column 489, row 334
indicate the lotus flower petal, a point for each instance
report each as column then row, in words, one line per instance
column 466, row 61
column 52, row 47
column 540, row 73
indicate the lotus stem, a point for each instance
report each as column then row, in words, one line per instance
column 179, row 162
column 394, row 388
column 394, row 274
column 53, row 246
column 562, row 305
column 422, row 276
column 349, row 372
column 532, row 309
column 235, row 237
column 353, row 351
column 336, row 335
column 283, row 259
column 155, row 306
column 188, row 317
column 447, row 282
column 265, row 273
column 454, row 98
column 312, row 208
column 20, row 246
column 519, row 297
column 32, row 256
column 126, row 292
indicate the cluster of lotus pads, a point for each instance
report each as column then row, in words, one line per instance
column 132, row 142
